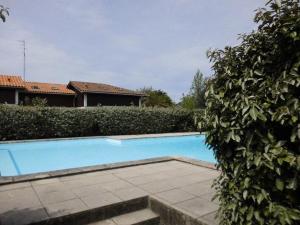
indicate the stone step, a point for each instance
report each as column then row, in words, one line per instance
column 140, row 217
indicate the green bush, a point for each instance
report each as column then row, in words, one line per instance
column 44, row 122
column 254, row 113
column 39, row 102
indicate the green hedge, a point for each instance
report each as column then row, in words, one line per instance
column 253, row 109
column 17, row 122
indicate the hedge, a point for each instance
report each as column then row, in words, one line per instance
column 19, row 122
column 253, row 109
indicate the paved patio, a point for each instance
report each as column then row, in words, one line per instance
column 182, row 186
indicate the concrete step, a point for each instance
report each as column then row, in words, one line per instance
column 139, row 217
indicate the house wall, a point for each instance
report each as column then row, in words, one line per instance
column 52, row 99
column 7, row 95
column 111, row 100
column 79, row 100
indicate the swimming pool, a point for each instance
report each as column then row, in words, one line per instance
column 42, row 156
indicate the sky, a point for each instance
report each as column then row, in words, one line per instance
column 127, row 43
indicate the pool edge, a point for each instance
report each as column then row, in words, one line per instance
column 74, row 171
column 115, row 137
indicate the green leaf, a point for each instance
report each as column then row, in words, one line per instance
column 260, row 197
column 257, row 160
column 247, row 182
column 245, row 194
column 259, row 73
column 253, row 113
column 261, row 116
column 292, row 184
column 279, row 184
column 250, row 214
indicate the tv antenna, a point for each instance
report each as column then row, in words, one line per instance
column 24, row 58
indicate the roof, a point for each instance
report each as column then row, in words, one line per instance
column 87, row 87
column 47, row 88
column 11, row 81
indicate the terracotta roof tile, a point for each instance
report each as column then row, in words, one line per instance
column 47, row 88
column 87, row 87
column 11, row 81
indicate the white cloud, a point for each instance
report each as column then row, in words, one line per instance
column 130, row 45
column 83, row 12
column 44, row 61
column 182, row 59
column 47, row 63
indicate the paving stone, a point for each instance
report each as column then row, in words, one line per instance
column 115, row 185
column 139, row 180
column 24, row 216
column 98, row 173
column 73, row 177
column 18, row 199
column 209, row 197
column 94, row 201
column 156, row 187
column 172, row 182
column 80, row 176
column 14, row 186
column 104, row 222
column 134, row 217
column 52, row 187
column 55, row 196
column 161, row 168
column 177, row 173
column 210, row 218
column 197, row 206
column 94, row 189
column 15, row 193
column 45, row 181
column 65, row 207
column 130, row 193
column 199, row 189
column 176, row 164
column 175, row 196
column 129, row 174
column 90, row 180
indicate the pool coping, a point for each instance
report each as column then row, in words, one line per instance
column 114, row 137
column 81, row 170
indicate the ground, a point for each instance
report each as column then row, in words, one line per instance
column 179, row 185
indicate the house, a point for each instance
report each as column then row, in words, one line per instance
column 13, row 90
column 56, row 94
column 93, row 94
column 10, row 86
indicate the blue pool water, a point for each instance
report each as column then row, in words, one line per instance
column 42, row 156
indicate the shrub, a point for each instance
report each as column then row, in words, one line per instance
column 254, row 113
column 40, row 102
column 43, row 122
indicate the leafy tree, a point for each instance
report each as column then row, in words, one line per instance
column 195, row 99
column 188, row 102
column 156, row 98
column 3, row 13
column 253, row 109
column 198, row 89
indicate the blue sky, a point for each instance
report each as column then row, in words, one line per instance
column 129, row 43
